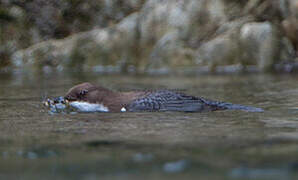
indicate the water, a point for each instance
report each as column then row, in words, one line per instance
column 170, row 145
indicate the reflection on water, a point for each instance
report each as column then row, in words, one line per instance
column 171, row 145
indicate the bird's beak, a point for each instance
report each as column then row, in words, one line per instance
column 66, row 102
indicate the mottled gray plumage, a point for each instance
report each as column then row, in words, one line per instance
column 166, row 100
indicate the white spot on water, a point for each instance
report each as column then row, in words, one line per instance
column 139, row 157
column 175, row 167
column 88, row 107
column 123, row 109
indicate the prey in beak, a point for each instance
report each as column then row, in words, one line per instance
column 57, row 104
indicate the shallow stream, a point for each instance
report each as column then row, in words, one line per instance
column 219, row 145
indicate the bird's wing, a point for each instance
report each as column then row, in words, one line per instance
column 166, row 100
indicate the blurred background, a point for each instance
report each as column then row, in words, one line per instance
column 152, row 36
column 238, row 51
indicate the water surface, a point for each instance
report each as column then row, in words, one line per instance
column 170, row 145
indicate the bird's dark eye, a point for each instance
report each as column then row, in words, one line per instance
column 83, row 92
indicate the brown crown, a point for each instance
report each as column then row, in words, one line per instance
column 88, row 92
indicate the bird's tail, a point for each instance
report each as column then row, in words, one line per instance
column 215, row 105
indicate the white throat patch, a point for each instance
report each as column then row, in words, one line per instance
column 88, row 107
column 123, row 109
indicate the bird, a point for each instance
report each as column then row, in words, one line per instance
column 86, row 97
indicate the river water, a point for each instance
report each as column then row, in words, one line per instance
column 214, row 145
